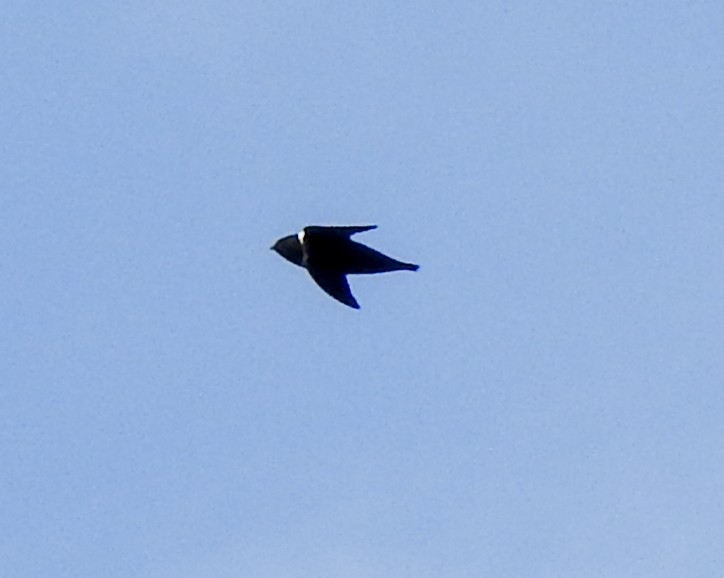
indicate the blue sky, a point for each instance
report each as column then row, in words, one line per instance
column 543, row 398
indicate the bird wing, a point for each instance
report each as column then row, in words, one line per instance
column 338, row 231
column 335, row 285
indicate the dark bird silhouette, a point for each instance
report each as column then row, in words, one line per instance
column 329, row 254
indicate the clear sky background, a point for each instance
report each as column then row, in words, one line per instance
column 544, row 398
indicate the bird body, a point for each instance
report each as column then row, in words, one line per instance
column 329, row 254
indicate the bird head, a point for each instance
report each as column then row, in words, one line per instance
column 290, row 248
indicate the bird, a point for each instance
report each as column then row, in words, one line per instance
column 329, row 255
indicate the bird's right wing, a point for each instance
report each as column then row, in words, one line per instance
column 335, row 285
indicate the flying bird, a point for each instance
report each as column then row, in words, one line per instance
column 329, row 254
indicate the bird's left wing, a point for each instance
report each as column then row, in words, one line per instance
column 338, row 231
column 335, row 285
